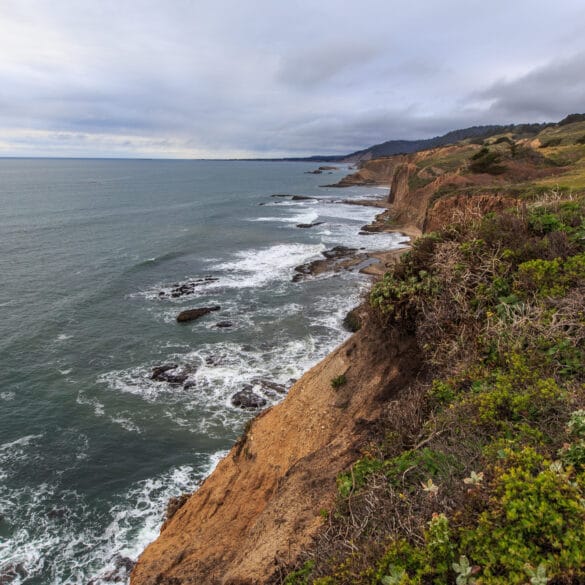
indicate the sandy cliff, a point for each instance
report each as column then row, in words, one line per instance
column 262, row 504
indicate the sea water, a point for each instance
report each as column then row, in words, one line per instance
column 91, row 448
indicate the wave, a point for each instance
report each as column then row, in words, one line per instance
column 55, row 536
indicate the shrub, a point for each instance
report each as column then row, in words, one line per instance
column 486, row 161
column 338, row 381
column 536, row 515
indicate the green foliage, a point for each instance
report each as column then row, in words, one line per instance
column 400, row 297
column 397, row 576
column 338, row 381
column 300, row 577
column 538, row 575
column 550, row 278
column 442, row 392
column 551, row 142
column 517, row 396
column 535, row 515
column 480, row 477
column 420, row 465
column 355, row 478
column 573, row 452
column 486, row 161
column 464, row 571
column 580, row 140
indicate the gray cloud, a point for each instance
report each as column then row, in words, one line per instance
column 546, row 92
column 232, row 78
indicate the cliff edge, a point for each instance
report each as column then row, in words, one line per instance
column 260, row 508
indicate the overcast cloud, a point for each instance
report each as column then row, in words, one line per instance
column 227, row 78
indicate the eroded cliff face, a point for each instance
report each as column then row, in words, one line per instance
column 260, row 507
column 378, row 171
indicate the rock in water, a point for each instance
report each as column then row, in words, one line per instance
column 310, row 225
column 169, row 373
column 224, row 324
column 192, row 314
column 247, row 399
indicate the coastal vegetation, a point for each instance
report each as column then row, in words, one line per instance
column 478, row 472
column 444, row 442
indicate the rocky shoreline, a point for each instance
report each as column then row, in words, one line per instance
column 273, row 437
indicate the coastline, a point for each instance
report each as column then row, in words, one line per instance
column 264, row 493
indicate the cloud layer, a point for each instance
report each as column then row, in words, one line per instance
column 196, row 78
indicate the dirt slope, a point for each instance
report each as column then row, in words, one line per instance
column 261, row 506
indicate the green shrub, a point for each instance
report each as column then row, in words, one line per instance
column 535, row 516
column 338, row 381
column 300, row 577
column 551, row 142
column 354, row 479
column 486, row 161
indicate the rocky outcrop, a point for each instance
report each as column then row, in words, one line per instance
column 310, row 225
column 192, row 314
column 260, row 507
column 373, row 172
column 247, row 398
column 187, row 288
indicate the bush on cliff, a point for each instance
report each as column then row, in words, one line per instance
column 478, row 475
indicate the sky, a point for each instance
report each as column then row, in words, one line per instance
column 269, row 78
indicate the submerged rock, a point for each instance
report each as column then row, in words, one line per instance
column 12, row 572
column 310, row 225
column 224, row 324
column 187, row 288
column 302, row 198
column 192, row 314
column 247, row 398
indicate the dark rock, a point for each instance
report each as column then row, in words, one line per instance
column 169, row 373
column 192, row 314
column 302, row 198
column 372, row 229
column 246, row 398
column 213, row 360
column 12, row 572
column 56, row 513
column 189, row 384
column 309, row 225
column 352, row 321
column 187, row 288
column 175, row 504
column 328, row 168
column 315, row 172
column 223, row 324
column 269, row 385
column 281, row 195
column 338, row 252
column 160, row 370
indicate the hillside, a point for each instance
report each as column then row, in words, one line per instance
column 444, row 441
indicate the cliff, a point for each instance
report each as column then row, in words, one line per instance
column 372, row 172
column 260, row 508
column 469, row 365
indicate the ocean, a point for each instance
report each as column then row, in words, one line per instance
column 92, row 256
